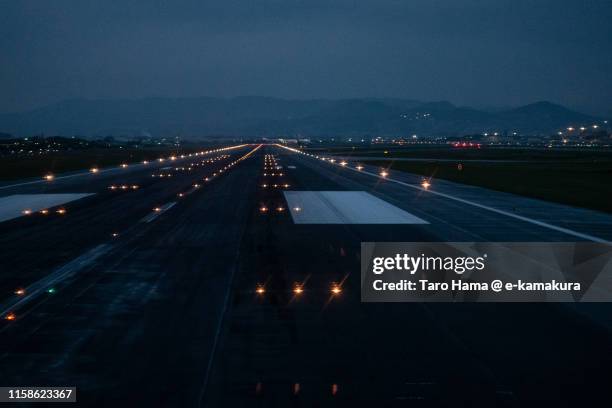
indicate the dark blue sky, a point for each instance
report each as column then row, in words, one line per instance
column 471, row 52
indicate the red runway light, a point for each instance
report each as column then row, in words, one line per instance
column 334, row 389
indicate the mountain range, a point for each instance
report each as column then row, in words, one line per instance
column 249, row 116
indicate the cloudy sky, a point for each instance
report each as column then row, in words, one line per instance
column 482, row 53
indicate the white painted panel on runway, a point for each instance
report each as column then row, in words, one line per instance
column 13, row 206
column 345, row 207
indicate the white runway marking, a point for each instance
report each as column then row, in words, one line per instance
column 159, row 212
column 13, row 206
column 345, row 207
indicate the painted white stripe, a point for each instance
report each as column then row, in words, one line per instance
column 345, row 207
column 13, row 206
column 156, row 214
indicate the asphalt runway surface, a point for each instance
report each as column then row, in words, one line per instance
column 173, row 294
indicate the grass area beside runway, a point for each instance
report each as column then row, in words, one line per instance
column 21, row 167
column 581, row 183
column 485, row 153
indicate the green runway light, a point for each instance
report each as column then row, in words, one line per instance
column 51, row 291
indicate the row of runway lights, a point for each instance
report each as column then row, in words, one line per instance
column 207, row 179
column 296, row 389
column 95, row 169
column 125, row 187
column 271, row 164
column 197, row 185
column 383, row 173
column 335, row 289
column 11, row 316
column 115, row 187
column 45, row 211
column 189, row 167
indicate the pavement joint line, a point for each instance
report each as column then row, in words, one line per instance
column 474, row 204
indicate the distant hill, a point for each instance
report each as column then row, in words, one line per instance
column 264, row 116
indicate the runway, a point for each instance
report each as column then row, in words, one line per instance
column 180, row 292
